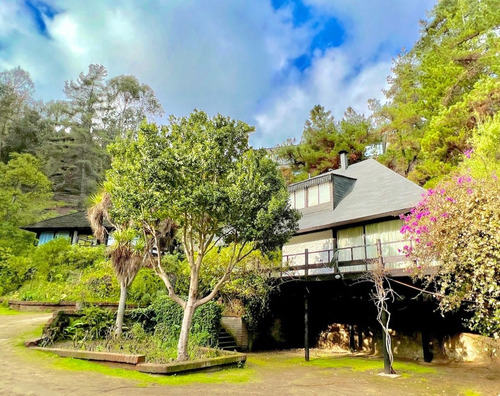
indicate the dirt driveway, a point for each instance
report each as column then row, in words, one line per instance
column 28, row 372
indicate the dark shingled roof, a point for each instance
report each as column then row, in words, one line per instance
column 71, row 221
column 377, row 192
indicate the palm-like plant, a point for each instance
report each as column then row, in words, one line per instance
column 130, row 251
column 125, row 255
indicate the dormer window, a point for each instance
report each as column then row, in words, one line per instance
column 310, row 196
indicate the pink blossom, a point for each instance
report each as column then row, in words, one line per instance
column 405, row 228
column 468, row 153
column 470, row 191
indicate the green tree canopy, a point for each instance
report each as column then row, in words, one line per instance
column 95, row 112
column 322, row 140
column 441, row 89
column 200, row 173
column 25, row 194
column 456, row 227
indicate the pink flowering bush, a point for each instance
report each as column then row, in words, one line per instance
column 453, row 238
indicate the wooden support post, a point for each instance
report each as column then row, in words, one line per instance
column 306, row 307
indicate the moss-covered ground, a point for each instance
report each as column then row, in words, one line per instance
column 283, row 372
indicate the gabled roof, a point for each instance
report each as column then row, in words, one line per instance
column 377, row 192
column 70, row 221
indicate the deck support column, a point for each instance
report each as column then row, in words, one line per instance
column 306, row 307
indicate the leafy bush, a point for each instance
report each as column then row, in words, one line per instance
column 164, row 318
column 457, row 227
column 147, row 286
column 58, row 259
column 95, row 323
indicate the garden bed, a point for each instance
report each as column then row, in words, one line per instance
column 145, row 345
column 137, row 361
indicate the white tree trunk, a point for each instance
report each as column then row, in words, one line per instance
column 121, row 309
column 182, row 346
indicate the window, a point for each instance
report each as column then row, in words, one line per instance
column 388, row 232
column 316, row 195
column 324, row 193
column 110, row 240
column 45, row 237
column 300, row 199
column 350, row 243
column 312, row 195
column 63, row 234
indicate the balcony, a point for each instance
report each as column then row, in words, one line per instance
column 347, row 260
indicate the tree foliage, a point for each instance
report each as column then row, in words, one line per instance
column 454, row 230
column 441, row 89
column 200, row 173
column 21, row 123
column 322, row 140
column 25, row 196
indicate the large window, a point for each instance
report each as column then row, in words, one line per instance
column 351, row 241
column 389, row 233
column 324, row 193
column 312, row 195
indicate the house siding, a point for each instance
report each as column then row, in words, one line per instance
column 319, row 242
column 341, row 187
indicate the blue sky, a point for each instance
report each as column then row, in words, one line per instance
column 266, row 62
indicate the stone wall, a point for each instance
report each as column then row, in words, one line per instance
column 61, row 306
column 463, row 347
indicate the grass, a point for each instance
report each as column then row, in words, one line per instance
column 469, row 392
column 260, row 366
column 224, row 375
column 359, row 364
column 8, row 311
column 364, row 364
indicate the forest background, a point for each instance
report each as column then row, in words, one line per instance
column 443, row 94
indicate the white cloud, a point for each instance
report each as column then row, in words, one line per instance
column 231, row 56
column 329, row 82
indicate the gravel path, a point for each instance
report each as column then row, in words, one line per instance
column 27, row 372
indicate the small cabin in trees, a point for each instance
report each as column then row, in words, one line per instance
column 73, row 226
column 344, row 212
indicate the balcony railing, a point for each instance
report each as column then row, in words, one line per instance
column 353, row 259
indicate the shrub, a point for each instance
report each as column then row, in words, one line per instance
column 147, row 286
column 164, row 318
column 95, row 323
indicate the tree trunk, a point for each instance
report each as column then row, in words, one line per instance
column 121, row 309
column 182, row 346
column 385, row 352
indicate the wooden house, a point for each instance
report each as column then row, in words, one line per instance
column 344, row 212
column 73, row 226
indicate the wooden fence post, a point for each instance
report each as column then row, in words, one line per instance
column 306, row 306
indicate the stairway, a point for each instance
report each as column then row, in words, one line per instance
column 227, row 342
